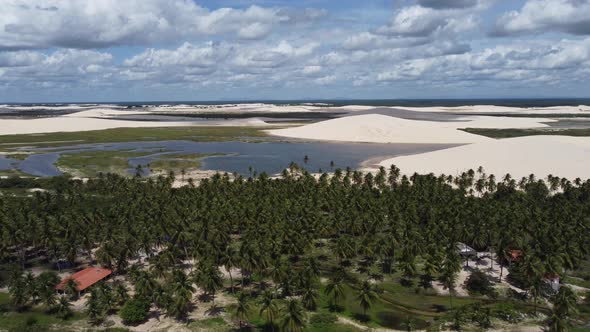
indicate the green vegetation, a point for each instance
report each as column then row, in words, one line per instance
column 509, row 133
column 134, row 311
column 216, row 324
column 179, row 162
column 18, row 156
column 33, row 320
column 200, row 134
column 362, row 247
column 90, row 163
column 13, row 173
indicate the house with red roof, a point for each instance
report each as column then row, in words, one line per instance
column 85, row 278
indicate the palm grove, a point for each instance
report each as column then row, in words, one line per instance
column 298, row 238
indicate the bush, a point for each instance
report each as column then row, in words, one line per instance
column 478, row 283
column 323, row 319
column 134, row 311
column 507, row 312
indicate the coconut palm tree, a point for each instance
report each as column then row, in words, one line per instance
column 365, row 295
column 309, row 297
column 335, row 291
column 62, row 308
column 294, row 316
column 242, row 309
column 71, row 289
column 269, row 309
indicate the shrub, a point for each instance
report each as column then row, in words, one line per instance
column 507, row 312
column 134, row 311
column 323, row 319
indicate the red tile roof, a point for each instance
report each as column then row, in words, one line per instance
column 85, row 278
column 515, row 255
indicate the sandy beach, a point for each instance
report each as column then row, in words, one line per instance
column 561, row 156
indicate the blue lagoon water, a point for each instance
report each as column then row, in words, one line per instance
column 238, row 157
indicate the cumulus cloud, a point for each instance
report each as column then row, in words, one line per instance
column 54, row 44
column 19, row 59
column 536, row 16
column 62, row 68
column 418, row 21
column 187, row 55
column 95, row 24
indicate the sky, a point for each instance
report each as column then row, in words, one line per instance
column 185, row 50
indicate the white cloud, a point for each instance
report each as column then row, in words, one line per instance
column 570, row 16
column 187, row 55
column 418, row 21
column 94, row 24
column 19, row 59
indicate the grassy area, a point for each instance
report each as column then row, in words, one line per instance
column 201, row 134
column 210, row 324
column 578, row 282
column 18, row 156
column 34, row 320
column 13, row 172
column 177, row 162
column 90, row 163
column 529, row 115
column 509, row 133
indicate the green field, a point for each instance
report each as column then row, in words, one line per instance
column 178, row 162
column 91, row 163
column 33, row 320
column 198, row 134
column 509, row 133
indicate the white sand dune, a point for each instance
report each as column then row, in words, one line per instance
column 72, row 123
column 386, row 129
column 501, row 109
column 561, row 156
column 380, row 129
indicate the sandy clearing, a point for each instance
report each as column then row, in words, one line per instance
column 561, row 156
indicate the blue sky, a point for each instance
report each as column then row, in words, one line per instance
column 133, row 50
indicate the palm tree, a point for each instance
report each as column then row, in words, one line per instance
column 365, row 295
column 18, row 293
column 448, row 278
column 229, row 260
column 269, row 309
column 96, row 312
column 209, row 279
column 63, row 308
column 71, row 289
column 565, row 302
column 309, row 297
column 558, row 323
column 294, row 316
column 242, row 309
column 335, row 291
column 182, row 290
column 121, row 293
